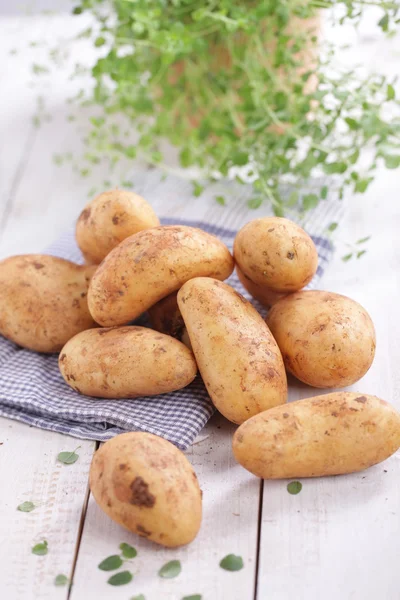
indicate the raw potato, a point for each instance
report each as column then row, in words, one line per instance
column 237, row 356
column 148, row 486
column 337, row 433
column 262, row 294
column 166, row 317
column 126, row 362
column 327, row 340
column 43, row 301
column 110, row 218
column 151, row 265
column 276, row 253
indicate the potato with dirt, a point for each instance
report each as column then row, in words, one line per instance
column 262, row 294
column 166, row 317
column 276, row 254
column 237, row 356
column 327, row 340
column 110, row 218
column 43, row 301
column 148, row 486
column 333, row 434
column 126, row 362
column 150, row 265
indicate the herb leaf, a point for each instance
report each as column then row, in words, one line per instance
column 332, row 227
column 127, row 550
column 363, row 240
column 347, row 257
column 140, row 597
column 121, row 578
column 68, row 458
column 220, row 200
column 193, row 597
column 170, row 569
column 231, row 562
column 294, row 487
column 26, row 507
column 111, row 563
column 41, row 548
column 61, row 580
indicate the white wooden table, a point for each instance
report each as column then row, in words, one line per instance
column 338, row 539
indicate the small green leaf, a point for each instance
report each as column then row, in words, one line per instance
column 193, row 597
column 360, row 253
column 362, row 184
column 40, row 549
column 352, row 123
column 384, row 22
column 100, row 41
column 392, row 161
column 61, row 580
column 231, row 562
column 77, row 10
column 347, row 257
column 111, row 563
column 335, row 167
column 140, row 597
column 254, row 202
column 293, row 198
column 26, row 507
column 294, row 487
column 324, row 192
column 170, row 569
column 332, row 226
column 121, row 578
column 127, row 550
column 68, row 458
column 363, row 240
column 220, row 200
column 197, row 189
column 390, row 92
column 310, row 201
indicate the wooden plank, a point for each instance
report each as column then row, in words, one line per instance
column 30, row 472
column 230, row 521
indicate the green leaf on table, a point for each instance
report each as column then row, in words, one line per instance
column 360, row 253
column 121, row 578
column 111, row 563
column 170, row 569
column 193, row 597
column 363, row 240
column 197, row 189
column 294, row 487
column 254, row 202
column 390, row 92
column 352, row 123
column 231, row 562
column 41, row 548
column 392, row 161
column 140, row 597
column 127, row 550
column 100, row 41
column 347, row 257
column 220, row 200
column 310, row 201
column 293, row 198
column 77, row 10
column 26, row 507
column 384, row 22
column 324, row 192
column 333, row 226
column 68, row 458
column 362, row 184
column 61, row 580
column 334, row 167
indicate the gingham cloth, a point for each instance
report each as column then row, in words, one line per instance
column 31, row 387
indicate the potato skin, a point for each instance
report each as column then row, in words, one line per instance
column 126, row 362
column 262, row 294
column 333, row 434
column 110, row 218
column 276, row 253
column 43, row 301
column 148, row 486
column 150, row 265
column 237, row 356
column 327, row 340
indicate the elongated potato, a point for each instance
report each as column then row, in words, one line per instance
column 327, row 340
column 262, row 294
column 148, row 486
column 276, row 253
column 110, row 218
column 337, row 433
column 43, row 301
column 150, row 265
column 237, row 356
column 126, row 362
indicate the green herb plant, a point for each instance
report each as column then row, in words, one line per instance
column 241, row 88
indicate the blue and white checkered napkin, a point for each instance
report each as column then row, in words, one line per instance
column 31, row 387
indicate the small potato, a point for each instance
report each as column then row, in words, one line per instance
column 276, row 253
column 262, row 294
column 327, row 340
column 166, row 317
column 237, row 356
column 150, row 265
column 126, row 362
column 148, row 486
column 43, row 301
column 337, row 433
column 110, row 218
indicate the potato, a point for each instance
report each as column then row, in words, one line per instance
column 337, row 433
column 327, row 340
column 151, row 265
column 148, row 486
column 262, row 294
column 126, row 362
column 237, row 356
column 276, row 253
column 43, row 301
column 166, row 317
column 110, row 218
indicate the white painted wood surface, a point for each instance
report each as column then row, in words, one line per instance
column 337, row 539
